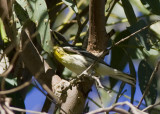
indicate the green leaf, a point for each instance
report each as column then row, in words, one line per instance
column 20, row 13
column 152, row 5
column 143, row 36
column 20, row 16
column 129, row 12
column 37, row 11
column 135, row 51
column 144, row 73
column 118, row 61
column 3, row 32
column 71, row 4
column 12, row 82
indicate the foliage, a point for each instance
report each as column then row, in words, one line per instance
column 70, row 18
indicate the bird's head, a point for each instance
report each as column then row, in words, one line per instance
column 58, row 52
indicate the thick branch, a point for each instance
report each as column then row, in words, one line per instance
column 33, row 60
column 97, row 33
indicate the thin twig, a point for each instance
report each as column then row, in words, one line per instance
column 80, row 28
column 15, row 89
column 36, row 85
column 6, row 51
column 45, row 87
column 122, row 40
column 98, row 105
column 23, row 110
column 49, row 97
column 4, row 105
column 149, row 83
column 110, row 10
column 6, row 109
column 151, row 106
column 11, row 65
column 98, row 81
column 126, row 38
column 134, row 110
column 109, row 90
column 16, row 55
column 8, row 70
column 85, row 72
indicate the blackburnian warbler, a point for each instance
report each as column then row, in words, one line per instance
column 79, row 60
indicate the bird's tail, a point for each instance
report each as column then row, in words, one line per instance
column 124, row 77
column 114, row 73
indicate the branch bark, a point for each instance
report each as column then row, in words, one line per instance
column 32, row 59
column 98, row 40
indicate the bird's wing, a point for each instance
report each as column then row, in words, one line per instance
column 83, row 52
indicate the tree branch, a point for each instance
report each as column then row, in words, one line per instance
column 97, row 41
column 134, row 110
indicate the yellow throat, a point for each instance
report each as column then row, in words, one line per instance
column 58, row 53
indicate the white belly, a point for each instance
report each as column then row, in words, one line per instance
column 75, row 63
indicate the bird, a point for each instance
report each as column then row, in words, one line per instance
column 78, row 60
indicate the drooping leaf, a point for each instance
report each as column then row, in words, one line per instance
column 37, row 11
column 71, row 4
column 129, row 12
column 21, row 14
column 152, row 5
column 86, row 109
column 144, row 73
column 143, row 36
column 118, row 60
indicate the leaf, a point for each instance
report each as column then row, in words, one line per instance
column 71, row 4
column 152, row 5
column 118, row 60
column 37, row 11
column 19, row 17
column 144, row 73
column 3, row 32
column 66, row 74
column 86, row 108
column 143, row 36
column 129, row 12
column 12, row 82
column 20, row 13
